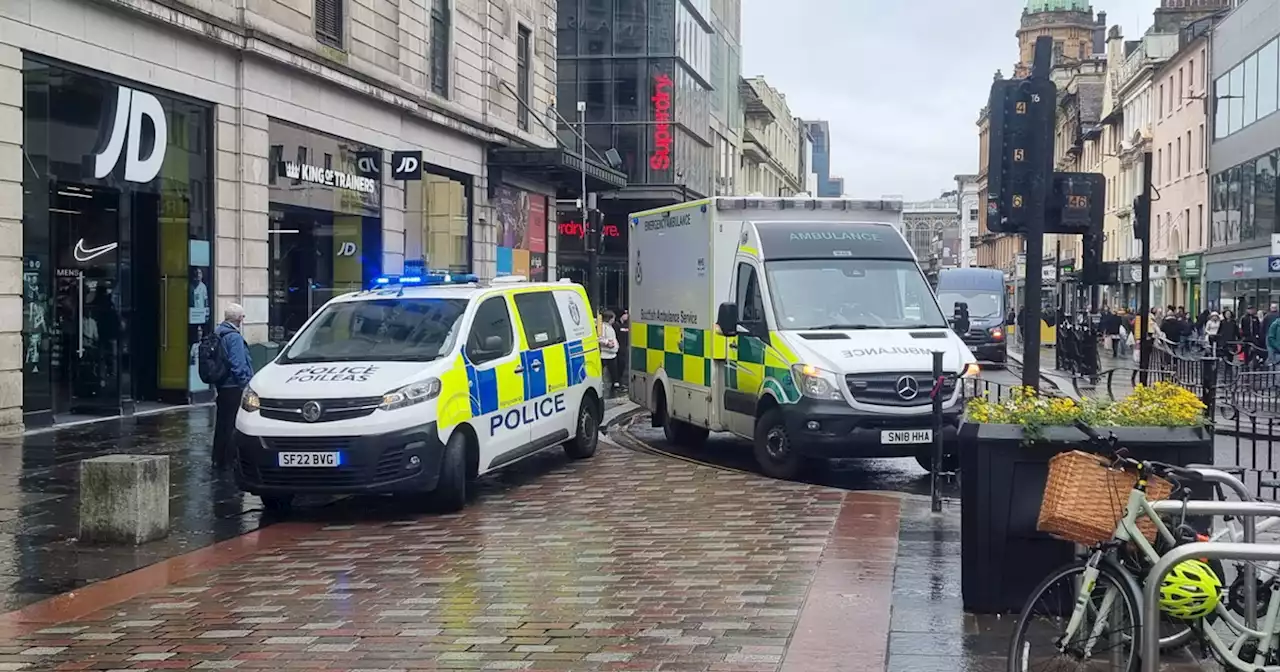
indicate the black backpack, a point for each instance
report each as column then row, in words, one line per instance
column 211, row 360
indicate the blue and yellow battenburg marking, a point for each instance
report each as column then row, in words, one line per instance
column 541, row 372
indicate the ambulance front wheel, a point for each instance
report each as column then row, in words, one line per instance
column 774, row 450
column 450, row 494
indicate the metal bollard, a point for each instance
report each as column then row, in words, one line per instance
column 935, row 494
column 1150, row 640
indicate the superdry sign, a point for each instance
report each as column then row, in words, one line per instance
column 660, row 159
column 576, row 229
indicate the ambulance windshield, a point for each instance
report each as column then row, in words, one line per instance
column 396, row 329
column 851, row 294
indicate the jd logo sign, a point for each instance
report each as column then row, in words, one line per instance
column 141, row 164
column 369, row 164
column 348, row 249
column 406, row 165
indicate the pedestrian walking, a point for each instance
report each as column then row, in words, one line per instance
column 608, row 352
column 237, row 372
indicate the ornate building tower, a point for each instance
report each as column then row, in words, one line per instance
column 1069, row 22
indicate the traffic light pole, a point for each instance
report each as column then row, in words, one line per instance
column 1142, row 216
column 1037, row 204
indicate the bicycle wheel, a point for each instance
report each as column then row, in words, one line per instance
column 1102, row 641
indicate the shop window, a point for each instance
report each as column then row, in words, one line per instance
column 522, row 231
column 1233, row 205
column 438, row 223
column 523, row 81
column 329, row 22
column 441, row 23
column 1264, row 197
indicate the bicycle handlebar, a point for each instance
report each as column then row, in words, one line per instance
column 1121, row 456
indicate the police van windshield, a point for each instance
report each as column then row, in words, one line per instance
column 851, row 294
column 395, row 329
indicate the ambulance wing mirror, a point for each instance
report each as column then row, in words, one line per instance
column 727, row 319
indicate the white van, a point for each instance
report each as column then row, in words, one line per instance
column 419, row 386
column 803, row 325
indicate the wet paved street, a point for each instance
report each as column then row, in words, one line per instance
column 624, row 562
column 39, row 556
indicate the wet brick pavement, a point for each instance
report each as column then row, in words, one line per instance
column 623, row 562
column 39, row 555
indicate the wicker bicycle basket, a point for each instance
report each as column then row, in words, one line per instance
column 1084, row 498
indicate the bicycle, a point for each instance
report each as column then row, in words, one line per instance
column 1114, row 564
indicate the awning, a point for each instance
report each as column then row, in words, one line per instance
column 558, row 165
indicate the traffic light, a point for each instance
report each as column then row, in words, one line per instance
column 1141, row 216
column 1091, row 268
column 1021, row 117
column 1077, row 203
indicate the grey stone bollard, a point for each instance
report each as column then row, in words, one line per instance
column 124, row 499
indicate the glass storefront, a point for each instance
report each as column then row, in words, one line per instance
column 117, row 257
column 522, row 232
column 325, row 231
column 437, row 222
column 611, row 264
column 1240, row 295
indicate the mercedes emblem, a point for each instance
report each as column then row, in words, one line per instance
column 908, row 388
column 311, row 411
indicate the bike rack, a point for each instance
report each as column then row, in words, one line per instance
column 1248, row 527
column 1150, row 639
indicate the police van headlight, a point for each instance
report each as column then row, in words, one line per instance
column 971, row 370
column 816, row 383
column 249, row 401
column 411, row 394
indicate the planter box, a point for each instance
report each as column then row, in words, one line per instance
column 1003, row 556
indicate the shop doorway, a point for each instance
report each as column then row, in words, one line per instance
column 84, row 328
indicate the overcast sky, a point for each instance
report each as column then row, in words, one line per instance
column 900, row 81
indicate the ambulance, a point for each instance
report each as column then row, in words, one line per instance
column 420, row 385
column 803, row 325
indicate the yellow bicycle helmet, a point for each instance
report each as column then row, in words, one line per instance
column 1190, row 591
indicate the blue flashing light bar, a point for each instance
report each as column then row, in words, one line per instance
column 425, row 280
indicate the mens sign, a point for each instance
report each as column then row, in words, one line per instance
column 137, row 118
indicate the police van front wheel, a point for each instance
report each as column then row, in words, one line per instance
column 584, row 444
column 774, row 451
column 450, row 494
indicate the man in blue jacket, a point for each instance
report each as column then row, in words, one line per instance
column 239, row 371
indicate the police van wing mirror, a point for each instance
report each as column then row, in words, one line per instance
column 727, row 319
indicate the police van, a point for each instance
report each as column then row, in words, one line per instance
column 418, row 386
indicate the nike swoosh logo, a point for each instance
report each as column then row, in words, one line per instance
column 86, row 254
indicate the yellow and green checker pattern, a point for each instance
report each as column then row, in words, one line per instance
column 761, row 366
column 683, row 352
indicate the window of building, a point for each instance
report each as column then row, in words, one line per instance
column 1180, row 92
column 1250, row 100
column 1238, row 98
column 1264, row 198
column 597, row 89
column 329, row 22
column 1200, row 224
column 1189, row 147
column 1221, row 106
column 439, row 46
column 1177, row 159
column 630, row 90
column 1158, row 165
column 1160, row 104
column 1200, row 147
column 567, row 89
column 631, row 27
column 1233, row 205
column 596, row 28
column 566, row 34
column 437, row 232
column 1268, row 78
column 523, row 80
